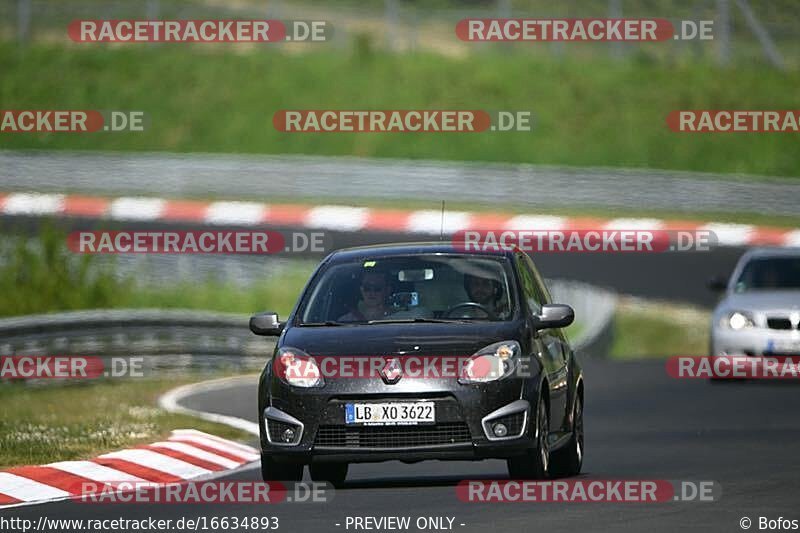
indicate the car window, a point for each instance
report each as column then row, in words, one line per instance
column 529, row 285
column 543, row 295
column 421, row 286
column 769, row 273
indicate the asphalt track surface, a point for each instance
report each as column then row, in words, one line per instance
column 640, row 424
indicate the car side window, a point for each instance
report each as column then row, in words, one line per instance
column 541, row 288
column 529, row 285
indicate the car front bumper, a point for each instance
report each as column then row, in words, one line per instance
column 465, row 415
column 754, row 342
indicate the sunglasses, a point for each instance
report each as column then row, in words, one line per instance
column 373, row 288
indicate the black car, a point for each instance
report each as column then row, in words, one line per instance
column 421, row 351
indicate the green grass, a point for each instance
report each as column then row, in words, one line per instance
column 278, row 293
column 658, row 329
column 587, row 113
column 44, row 424
column 42, row 276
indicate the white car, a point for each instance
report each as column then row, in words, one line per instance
column 759, row 314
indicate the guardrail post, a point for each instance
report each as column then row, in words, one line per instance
column 770, row 50
column 615, row 12
column 152, row 9
column 23, row 21
column 504, row 9
column 391, row 23
column 723, row 32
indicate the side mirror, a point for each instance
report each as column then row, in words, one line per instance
column 266, row 324
column 717, row 283
column 555, row 316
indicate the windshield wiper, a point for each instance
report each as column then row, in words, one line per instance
column 418, row 319
column 320, row 324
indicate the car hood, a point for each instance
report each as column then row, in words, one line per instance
column 401, row 339
column 756, row 301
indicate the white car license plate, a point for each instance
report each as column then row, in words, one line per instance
column 783, row 346
column 390, row 414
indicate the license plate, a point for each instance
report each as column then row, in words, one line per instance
column 783, row 346
column 390, row 414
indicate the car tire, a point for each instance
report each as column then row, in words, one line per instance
column 536, row 462
column 272, row 470
column 567, row 461
column 333, row 473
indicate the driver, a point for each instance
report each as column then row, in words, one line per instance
column 485, row 291
column 374, row 290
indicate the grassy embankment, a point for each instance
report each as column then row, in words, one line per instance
column 65, row 422
column 587, row 112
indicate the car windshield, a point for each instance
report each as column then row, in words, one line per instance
column 770, row 273
column 412, row 288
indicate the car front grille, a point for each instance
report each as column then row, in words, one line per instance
column 779, row 323
column 393, row 436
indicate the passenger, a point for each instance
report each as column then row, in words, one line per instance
column 374, row 302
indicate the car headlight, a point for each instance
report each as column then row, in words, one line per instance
column 737, row 320
column 491, row 363
column 297, row 368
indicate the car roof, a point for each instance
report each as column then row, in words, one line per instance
column 762, row 252
column 411, row 248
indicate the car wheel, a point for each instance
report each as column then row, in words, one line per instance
column 568, row 460
column 272, row 470
column 536, row 462
column 333, row 473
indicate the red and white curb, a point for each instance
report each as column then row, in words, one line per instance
column 187, row 454
column 356, row 219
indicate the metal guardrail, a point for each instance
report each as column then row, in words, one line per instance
column 200, row 333
column 127, row 332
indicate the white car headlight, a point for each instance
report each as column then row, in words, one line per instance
column 297, row 368
column 491, row 363
column 737, row 320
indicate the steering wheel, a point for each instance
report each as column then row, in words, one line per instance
column 471, row 305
